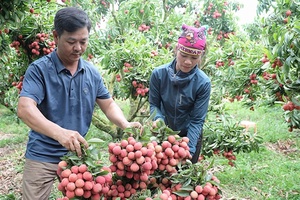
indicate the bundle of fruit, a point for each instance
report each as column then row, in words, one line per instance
column 155, row 168
column 78, row 181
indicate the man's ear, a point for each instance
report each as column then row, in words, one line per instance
column 55, row 35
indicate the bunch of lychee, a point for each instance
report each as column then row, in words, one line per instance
column 143, row 28
column 208, row 191
column 199, row 192
column 171, row 152
column 78, row 181
column 140, row 88
column 42, row 44
column 132, row 160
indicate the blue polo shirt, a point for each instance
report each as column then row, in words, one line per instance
column 64, row 99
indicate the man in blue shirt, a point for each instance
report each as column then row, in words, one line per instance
column 57, row 102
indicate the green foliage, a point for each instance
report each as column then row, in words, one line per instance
column 24, row 40
column 133, row 62
column 191, row 175
column 159, row 133
column 234, row 64
column 224, row 133
column 91, row 157
column 264, row 6
column 138, row 36
column 253, row 30
column 8, row 197
column 219, row 16
column 256, row 174
column 12, row 12
column 281, row 38
column 10, row 124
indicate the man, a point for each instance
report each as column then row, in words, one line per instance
column 57, row 102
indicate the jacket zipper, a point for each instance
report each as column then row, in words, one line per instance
column 177, row 95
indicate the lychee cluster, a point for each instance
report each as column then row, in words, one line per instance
column 38, row 46
column 143, row 28
column 135, row 167
column 78, row 181
column 140, row 88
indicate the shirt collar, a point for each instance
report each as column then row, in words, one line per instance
column 60, row 67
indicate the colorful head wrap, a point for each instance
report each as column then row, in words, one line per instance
column 192, row 40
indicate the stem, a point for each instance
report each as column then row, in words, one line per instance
column 102, row 125
column 141, row 103
column 116, row 20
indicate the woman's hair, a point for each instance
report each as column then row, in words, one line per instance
column 71, row 19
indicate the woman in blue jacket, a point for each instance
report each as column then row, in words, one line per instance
column 180, row 91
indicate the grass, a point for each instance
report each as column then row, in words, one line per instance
column 15, row 130
column 272, row 173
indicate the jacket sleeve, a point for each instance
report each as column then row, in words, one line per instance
column 198, row 116
column 154, row 95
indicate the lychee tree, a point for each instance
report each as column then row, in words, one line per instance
column 281, row 39
column 264, row 69
column 219, row 16
column 139, row 44
column 25, row 35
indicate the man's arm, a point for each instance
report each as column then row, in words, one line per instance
column 114, row 113
column 32, row 117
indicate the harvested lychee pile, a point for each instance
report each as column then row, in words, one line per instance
column 156, row 169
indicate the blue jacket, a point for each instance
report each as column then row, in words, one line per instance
column 180, row 99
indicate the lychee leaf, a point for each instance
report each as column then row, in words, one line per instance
column 182, row 193
column 95, row 140
column 186, row 188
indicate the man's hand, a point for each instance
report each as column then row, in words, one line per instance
column 135, row 125
column 72, row 141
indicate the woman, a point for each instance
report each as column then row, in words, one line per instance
column 180, row 91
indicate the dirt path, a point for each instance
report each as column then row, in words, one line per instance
column 11, row 167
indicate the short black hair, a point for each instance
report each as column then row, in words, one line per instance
column 71, row 19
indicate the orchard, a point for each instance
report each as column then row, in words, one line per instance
column 255, row 63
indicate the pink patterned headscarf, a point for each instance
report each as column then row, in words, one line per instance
column 192, row 40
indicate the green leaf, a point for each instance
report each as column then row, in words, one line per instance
column 182, row 193
column 95, row 140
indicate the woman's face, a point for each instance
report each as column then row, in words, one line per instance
column 186, row 62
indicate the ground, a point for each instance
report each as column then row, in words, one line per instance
column 11, row 162
column 12, row 159
column 285, row 147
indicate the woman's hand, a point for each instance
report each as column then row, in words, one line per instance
column 154, row 124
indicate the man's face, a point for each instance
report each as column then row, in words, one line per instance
column 71, row 45
column 186, row 62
